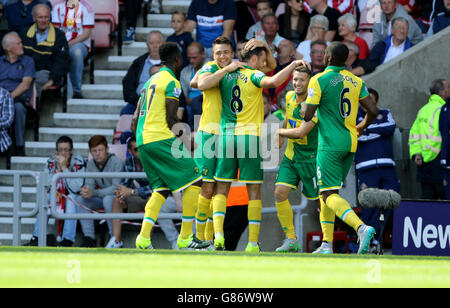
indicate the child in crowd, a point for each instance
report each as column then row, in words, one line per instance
column 182, row 38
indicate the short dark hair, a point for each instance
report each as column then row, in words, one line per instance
column 64, row 139
column 304, row 69
column 97, row 140
column 169, row 52
column 222, row 40
column 437, row 86
column 247, row 54
column 374, row 92
column 129, row 141
column 338, row 52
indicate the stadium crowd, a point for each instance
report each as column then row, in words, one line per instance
column 43, row 42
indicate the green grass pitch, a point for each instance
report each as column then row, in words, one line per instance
column 77, row 267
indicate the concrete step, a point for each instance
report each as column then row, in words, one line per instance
column 159, row 20
column 120, row 62
column 95, row 105
column 102, row 91
column 9, row 205
column 77, row 134
column 6, row 238
column 169, row 6
column 91, row 120
column 28, row 193
column 135, row 49
column 33, row 163
column 47, row 149
column 109, row 76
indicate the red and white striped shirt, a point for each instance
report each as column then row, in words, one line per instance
column 72, row 21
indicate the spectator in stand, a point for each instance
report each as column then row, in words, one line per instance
column 98, row 193
column 320, row 7
column 425, row 142
column 444, row 129
column 294, row 22
column 317, row 55
column 19, row 13
column 441, row 21
column 139, row 71
column 347, row 28
column 182, row 38
column 48, row 47
column 269, row 24
column 318, row 27
column 211, row 18
column 343, row 6
column 394, row 45
column 4, row 27
column 6, row 119
column 65, row 160
column 262, row 8
column 76, row 18
column 423, row 11
column 354, row 64
column 392, row 10
column 194, row 97
column 374, row 160
column 132, row 195
column 16, row 75
column 245, row 18
column 131, row 14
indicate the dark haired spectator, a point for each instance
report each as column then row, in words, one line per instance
column 394, row 45
column 48, row 47
column 194, row 98
column 139, row 71
column 65, row 160
column 19, row 13
column 16, row 75
column 347, row 28
column 78, row 34
column 317, row 56
column 321, row 7
column 354, row 64
column 132, row 196
column 98, row 193
column 270, row 26
column 211, row 18
column 390, row 11
column 294, row 22
column 425, row 142
column 262, row 8
column 131, row 14
column 374, row 160
column 182, row 38
column 6, row 119
column 444, row 128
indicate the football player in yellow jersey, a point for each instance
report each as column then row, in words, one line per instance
column 299, row 162
column 153, row 120
column 257, row 56
column 336, row 94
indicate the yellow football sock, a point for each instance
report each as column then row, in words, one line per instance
column 327, row 217
column 219, row 210
column 254, row 220
column 152, row 209
column 190, row 203
column 201, row 216
column 286, row 218
column 343, row 210
column 209, row 229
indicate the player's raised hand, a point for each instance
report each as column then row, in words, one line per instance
column 253, row 43
column 233, row 66
column 302, row 63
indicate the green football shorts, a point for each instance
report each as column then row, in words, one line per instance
column 332, row 168
column 205, row 155
column 291, row 173
column 168, row 165
column 239, row 152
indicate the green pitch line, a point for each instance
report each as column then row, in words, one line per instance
column 78, row 267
